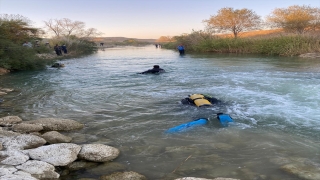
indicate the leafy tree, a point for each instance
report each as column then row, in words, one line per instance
column 297, row 19
column 17, row 29
column 14, row 30
column 234, row 20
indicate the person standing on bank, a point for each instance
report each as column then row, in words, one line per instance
column 181, row 49
column 64, row 48
column 57, row 49
column 155, row 70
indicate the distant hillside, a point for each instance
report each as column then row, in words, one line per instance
column 120, row 39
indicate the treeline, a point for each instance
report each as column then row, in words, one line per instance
column 299, row 33
column 15, row 30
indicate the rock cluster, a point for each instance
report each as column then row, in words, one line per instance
column 32, row 149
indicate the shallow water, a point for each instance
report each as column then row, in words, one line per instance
column 274, row 102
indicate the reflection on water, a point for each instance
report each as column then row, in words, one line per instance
column 273, row 100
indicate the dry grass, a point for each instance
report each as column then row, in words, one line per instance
column 257, row 33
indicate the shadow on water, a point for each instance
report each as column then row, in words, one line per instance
column 273, row 101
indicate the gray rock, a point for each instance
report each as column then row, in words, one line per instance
column 17, row 177
column 98, row 152
column 4, row 133
column 1, row 147
column 24, row 141
column 23, row 127
column 39, row 169
column 194, row 178
column 6, row 170
column 6, row 89
column 55, row 154
column 107, row 168
column 302, row 171
column 54, row 137
column 2, row 93
column 9, row 120
column 13, row 157
column 124, row 175
column 53, row 124
column 77, row 165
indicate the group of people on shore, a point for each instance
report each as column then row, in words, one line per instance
column 58, row 49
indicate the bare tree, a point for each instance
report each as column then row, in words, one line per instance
column 297, row 19
column 66, row 27
column 72, row 27
column 54, row 26
column 234, row 20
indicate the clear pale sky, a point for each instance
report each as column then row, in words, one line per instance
column 139, row 18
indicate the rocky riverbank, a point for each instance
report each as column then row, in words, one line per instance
column 37, row 149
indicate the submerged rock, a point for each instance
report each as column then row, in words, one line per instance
column 9, row 120
column 302, row 171
column 53, row 124
column 124, row 175
column 26, row 128
column 53, row 137
column 98, row 152
column 194, row 178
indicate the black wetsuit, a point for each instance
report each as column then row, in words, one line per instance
column 153, row 71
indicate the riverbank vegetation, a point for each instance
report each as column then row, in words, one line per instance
column 295, row 31
column 22, row 46
column 281, row 44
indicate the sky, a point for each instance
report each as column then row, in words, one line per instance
column 144, row 19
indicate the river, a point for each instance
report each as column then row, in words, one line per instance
column 274, row 102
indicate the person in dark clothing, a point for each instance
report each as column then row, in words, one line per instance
column 57, row 49
column 64, row 49
column 155, row 70
column 181, row 49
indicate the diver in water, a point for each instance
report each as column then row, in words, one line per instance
column 155, row 70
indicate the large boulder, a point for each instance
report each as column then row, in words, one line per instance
column 26, row 128
column 39, row 169
column 98, row 152
column 54, row 137
column 9, row 120
column 13, row 157
column 53, row 124
column 55, row 154
column 23, row 141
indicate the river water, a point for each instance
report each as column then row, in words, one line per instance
column 274, row 102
